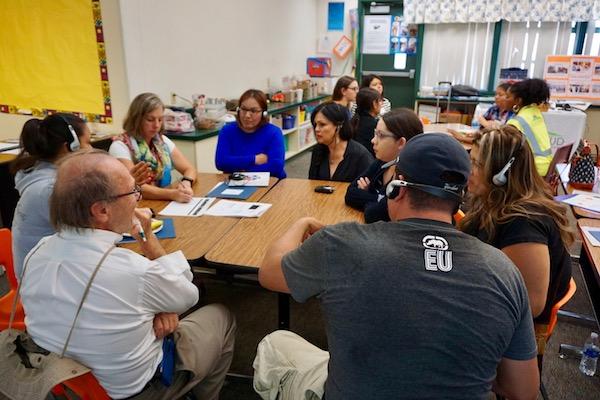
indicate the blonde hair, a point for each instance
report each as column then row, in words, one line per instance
column 143, row 104
column 525, row 193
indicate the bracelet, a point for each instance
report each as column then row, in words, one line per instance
column 186, row 178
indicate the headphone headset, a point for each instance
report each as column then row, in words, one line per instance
column 500, row 178
column 393, row 189
column 263, row 114
column 72, row 139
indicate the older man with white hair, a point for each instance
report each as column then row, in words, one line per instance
column 133, row 301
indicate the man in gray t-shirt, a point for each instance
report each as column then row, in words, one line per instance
column 413, row 308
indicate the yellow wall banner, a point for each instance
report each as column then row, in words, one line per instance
column 52, row 59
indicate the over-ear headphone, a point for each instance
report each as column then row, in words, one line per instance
column 500, row 178
column 72, row 139
column 263, row 114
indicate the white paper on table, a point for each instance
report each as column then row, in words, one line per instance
column 586, row 231
column 252, row 179
column 8, row 146
column 13, row 151
column 195, row 208
column 228, row 208
column 232, row 192
column 589, row 201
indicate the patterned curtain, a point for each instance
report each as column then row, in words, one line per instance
column 447, row 11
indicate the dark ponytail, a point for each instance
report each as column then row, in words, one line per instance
column 364, row 105
column 43, row 139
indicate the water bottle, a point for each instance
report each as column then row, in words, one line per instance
column 475, row 123
column 589, row 356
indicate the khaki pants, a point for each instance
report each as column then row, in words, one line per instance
column 204, row 341
column 541, row 337
column 288, row 366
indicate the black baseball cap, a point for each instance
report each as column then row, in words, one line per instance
column 435, row 163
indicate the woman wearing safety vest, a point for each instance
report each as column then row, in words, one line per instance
column 527, row 96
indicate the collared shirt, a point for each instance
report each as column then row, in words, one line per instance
column 114, row 333
column 494, row 113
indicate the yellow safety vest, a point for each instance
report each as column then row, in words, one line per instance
column 530, row 122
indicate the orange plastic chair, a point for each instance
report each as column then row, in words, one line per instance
column 551, row 325
column 559, row 304
column 85, row 387
column 460, row 214
column 6, row 301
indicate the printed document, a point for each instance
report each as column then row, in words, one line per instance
column 229, row 208
column 195, row 208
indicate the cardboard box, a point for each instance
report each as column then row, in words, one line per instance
column 450, row 118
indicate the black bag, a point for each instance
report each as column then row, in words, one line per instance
column 464, row 90
column 583, row 167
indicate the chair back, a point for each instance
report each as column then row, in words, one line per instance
column 6, row 257
column 460, row 214
column 554, row 313
column 561, row 156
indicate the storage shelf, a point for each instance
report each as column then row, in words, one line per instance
column 288, row 131
column 304, row 124
column 292, row 153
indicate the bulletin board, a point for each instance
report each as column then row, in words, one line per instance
column 573, row 77
column 54, row 59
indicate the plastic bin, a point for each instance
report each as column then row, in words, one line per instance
column 289, row 121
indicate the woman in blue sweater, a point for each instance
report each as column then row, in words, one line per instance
column 251, row 143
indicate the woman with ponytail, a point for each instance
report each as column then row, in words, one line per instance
column 43, row 144
column 336, row 157
column 364, row 121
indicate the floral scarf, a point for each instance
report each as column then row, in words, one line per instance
column 156, row 154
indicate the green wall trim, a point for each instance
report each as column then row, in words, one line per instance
column 580, row 31
column 494, row 60
column 421, row 36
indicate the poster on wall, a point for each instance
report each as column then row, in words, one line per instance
column 403, row 37
column 335, row 16
column 573, row 77
column 376, row 34
column 57, row 64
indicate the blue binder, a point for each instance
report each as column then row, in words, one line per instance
column 244, row 192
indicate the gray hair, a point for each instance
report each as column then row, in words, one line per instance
column 79, row 184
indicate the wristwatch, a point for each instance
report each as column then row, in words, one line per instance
column 187, row 178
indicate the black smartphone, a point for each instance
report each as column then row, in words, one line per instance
column 324, row 189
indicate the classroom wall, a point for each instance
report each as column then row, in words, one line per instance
column 216, row 48
column 11, row 124
column 339, row 66
column 219, row 48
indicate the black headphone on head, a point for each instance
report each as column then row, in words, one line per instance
column 72, row 138
column 393, row 189
column 500, row 178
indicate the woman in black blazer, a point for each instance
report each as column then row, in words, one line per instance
column 335, row 157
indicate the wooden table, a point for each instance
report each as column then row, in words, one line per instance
column 244, row 246
column 589, row 261
column 197, row 235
